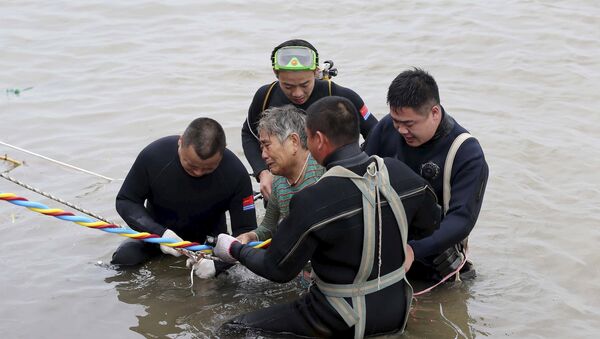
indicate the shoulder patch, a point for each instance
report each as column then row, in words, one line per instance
column 364, row 112
column 248, row 203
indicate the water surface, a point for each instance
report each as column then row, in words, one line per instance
column 109, row 77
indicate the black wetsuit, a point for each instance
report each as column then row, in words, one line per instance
column 468, row 182
column 192, row 207
column 277, row 98
column 312, row 232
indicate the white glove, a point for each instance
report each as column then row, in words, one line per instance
column 203, row 269
column 221, row 250
column 170, row 250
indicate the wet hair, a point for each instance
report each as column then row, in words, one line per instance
column 206, row 136
column 336, row 117
column 293, row 42
column 283, row 121
column 414, row 88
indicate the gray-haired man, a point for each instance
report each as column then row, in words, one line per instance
column 282, row 137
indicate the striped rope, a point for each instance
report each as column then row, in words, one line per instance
column 114, row 228
column 102, row 225
column 50, row 196
column 64, row 202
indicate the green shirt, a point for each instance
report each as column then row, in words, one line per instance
column 281, row 194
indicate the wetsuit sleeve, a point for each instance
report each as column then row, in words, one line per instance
column 250, row 142
column 365, row 117
column 241, row 206
column 427, row 217
column 468, row 181
column 132, row 196
column 269, row 223
column 290, row 249
column 371, row 145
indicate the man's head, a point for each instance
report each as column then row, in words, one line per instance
column 282, row 135
column 295, row 64
column 201, row 147
column 331, row 123
column 415, row 108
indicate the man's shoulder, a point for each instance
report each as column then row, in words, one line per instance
column 470, row 145
column 386, row 122
column 164, row 141
column 232, row 162
column 396, row 166
column 327, row 187
column 401, row 176
column 383, row 138
column 342, row 91
column 314, row 197
column 159, row 147
column 317, row 189
column 385, row 125
column 470, row 151
column 261, row 92
column 231, row 173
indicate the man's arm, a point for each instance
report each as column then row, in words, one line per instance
column 290, row 245
column 371, row 145
column 428, row 216
column 469, row 178
column 132, row 196
column 241, row 206
column 250, row 142
column 268, row 225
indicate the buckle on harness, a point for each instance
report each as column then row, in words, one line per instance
column 372, row 169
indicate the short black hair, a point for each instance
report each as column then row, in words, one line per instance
column 293, row 42
column 414, row 88
column 206, row 136
column 336, row 117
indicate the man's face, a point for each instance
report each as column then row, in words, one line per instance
column 278, row 155
column 415, row 128
column 194, row 165
column 297, row 85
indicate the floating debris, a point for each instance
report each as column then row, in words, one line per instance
column 16, row 92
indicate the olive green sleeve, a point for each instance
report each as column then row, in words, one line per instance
column 268, row 225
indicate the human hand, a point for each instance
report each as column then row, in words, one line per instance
column 266, row 180
column 203, row 268
column 409, row 257
column 170, row 250
column 221, row 249
column 247, row 237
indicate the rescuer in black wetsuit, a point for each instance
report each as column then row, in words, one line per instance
column 335, row 224
column 420, row 133
column 181, row 187
column 295, row 64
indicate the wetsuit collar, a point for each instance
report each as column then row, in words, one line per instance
column 347, row 156
column 446, row 125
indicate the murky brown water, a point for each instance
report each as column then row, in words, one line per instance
column 109, row 77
